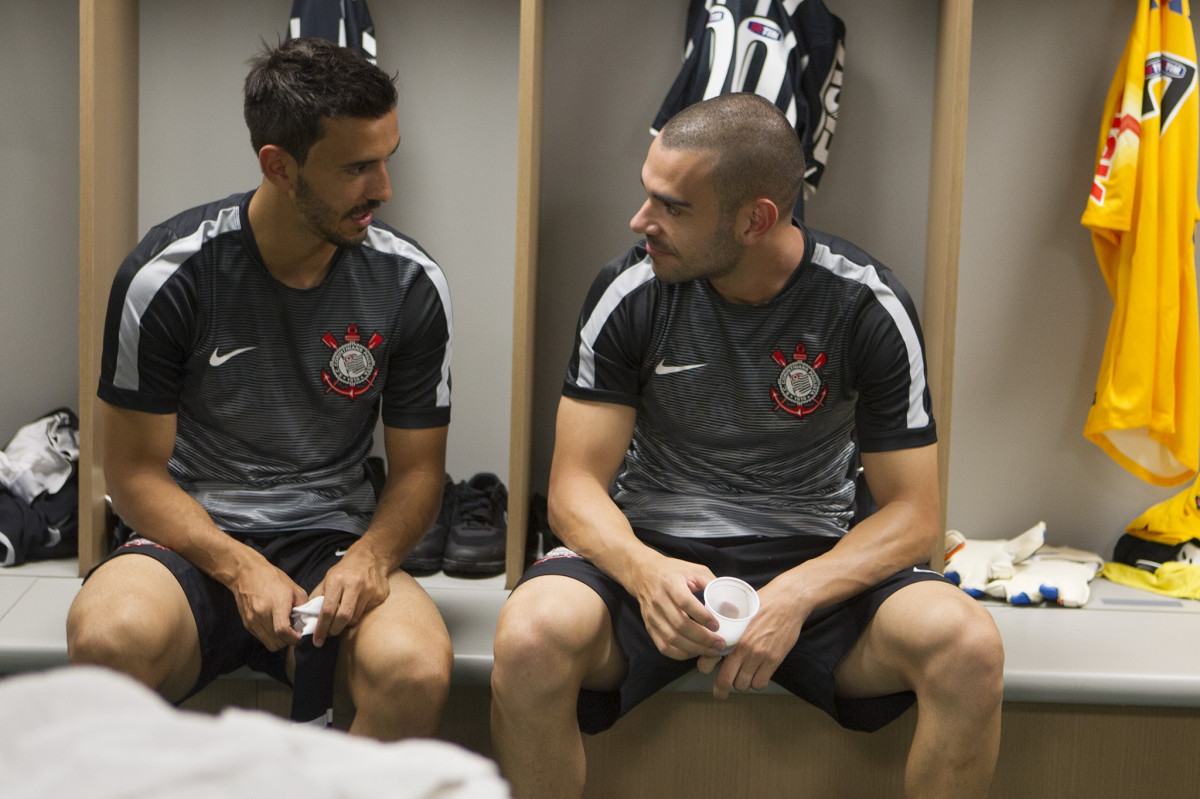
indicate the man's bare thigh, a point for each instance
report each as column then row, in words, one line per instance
column 407, row 612
column 907, row 626
column 574, row 617
column 135, row 589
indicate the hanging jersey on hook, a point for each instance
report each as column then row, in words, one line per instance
column 1142, row 212
column 788, row 51
column 346, row 23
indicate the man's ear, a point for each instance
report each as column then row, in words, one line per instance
column 757, row 218
column 278, row 166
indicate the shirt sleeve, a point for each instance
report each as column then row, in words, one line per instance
column 613, row 332
column 894, row 408
column 147, row 330
column 418, row 390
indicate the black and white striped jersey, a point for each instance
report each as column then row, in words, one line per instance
column 746, row 414
column 346, row 23
column 277, row 390
column 789, row 51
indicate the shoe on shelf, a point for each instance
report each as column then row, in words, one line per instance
column 475, row 547
column 426, row 557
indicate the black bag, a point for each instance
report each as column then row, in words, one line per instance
column 45, row 525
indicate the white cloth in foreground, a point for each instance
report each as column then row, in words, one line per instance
column 87, row 732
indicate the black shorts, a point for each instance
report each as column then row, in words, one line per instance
column 807, row 671
column 225, row 643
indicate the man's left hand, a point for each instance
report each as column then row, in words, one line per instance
column 351, row 588
column 768, row 638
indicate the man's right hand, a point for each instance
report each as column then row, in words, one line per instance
column 265, row 598
column 591, row 439
column 138, row 447
column 679, row 624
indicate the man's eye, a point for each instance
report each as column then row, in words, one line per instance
column 672, row 210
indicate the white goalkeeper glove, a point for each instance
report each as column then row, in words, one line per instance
column 1055, row 574
column 972, row 565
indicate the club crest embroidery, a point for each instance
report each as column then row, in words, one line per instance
column 352, row 368
column 799, row 389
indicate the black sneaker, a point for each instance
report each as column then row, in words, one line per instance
column 476, row 544
column 426, row 557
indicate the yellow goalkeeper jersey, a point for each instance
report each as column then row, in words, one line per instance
column 1142, row 212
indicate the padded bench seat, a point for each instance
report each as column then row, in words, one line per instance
column 1126, row 647
column 35, row 598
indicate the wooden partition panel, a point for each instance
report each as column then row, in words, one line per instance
column 684, row 744
column 529, row 175
column 108, row 150
column 943, row 228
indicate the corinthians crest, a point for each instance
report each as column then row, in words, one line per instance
column 799, row 389
column 352, row 368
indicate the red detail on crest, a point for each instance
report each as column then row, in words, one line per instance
column 799, row 411
column 349, row 391
column 800, row 354
column 332, row 383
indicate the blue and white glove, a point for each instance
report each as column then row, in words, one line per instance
column 1055, row 574
column 972, row 565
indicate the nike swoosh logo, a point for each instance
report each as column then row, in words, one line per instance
column 663, row 369
column 340, row 552
column 217, row 360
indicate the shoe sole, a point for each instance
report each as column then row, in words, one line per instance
column 474, row 568
column 422, row 569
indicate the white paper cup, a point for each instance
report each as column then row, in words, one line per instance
column 734, row 602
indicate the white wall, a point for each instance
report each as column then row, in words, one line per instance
column 39, row 209
column 454, row 176
column 1033, row 309
column 875, row 191
column 1032, row 306
column 608, row 68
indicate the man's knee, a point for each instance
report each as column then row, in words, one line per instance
column 425, row 670
column 965, row 655
column 96, row 637
column 130, row 610
column 127, row 637
column 404, row 666
column 547, row 641
column 935, row 640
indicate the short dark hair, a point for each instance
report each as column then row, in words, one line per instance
column 291, row 88
column 756, row 150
